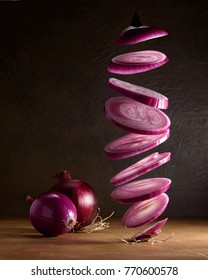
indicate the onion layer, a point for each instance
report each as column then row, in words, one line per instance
column 141, row 190
column 134, row 144
column 146, row 211
column 138, row 93
column 136, row 117
column 141, row 167
column 137, row 62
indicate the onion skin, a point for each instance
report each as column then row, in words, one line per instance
column 81, row 194
column 52, row 214
column 133, row 35
column 137, row 32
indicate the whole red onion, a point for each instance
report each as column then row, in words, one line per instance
column 52, row 213
column 81, row 194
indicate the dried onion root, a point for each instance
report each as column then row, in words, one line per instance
column 97, row 224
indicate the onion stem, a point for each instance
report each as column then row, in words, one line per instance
column 136, row 22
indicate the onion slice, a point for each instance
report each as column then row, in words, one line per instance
column 141, row 190
column 134, row 144
column 149, row 232
column 137, row 62
column 146, row 211
column 136, row 117
column 138, row 93
column 140, row 167
column 137, row 32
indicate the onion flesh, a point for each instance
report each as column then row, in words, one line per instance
column 53, row 214
column 136, row 117
column 137, row 62
column 141, row 190
column 146, row 211
column 134, row 144
column 137, row 32
column 140, row 167
column 138, row 93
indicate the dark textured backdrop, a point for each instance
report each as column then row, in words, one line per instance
column 53, row 59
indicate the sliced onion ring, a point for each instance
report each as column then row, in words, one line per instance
column 136, row 117
column 140, row 167
column 134, row 144
column 138, row 93
column 137, row 62
column 149, row 232
column 141, row 190
column 137, row 32
column 146, row 211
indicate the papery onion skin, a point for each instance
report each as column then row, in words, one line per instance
column 81, row 194
column 140, row 167
column 137, row 62
column 134, row 144
column 137, row 32
column 135, row 117
column 141, row 190
column 144, row 212
column 133, row 35
column 139, row 93
column 149, row 232
column 53, row 214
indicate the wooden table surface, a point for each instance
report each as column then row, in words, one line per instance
column 19, row 241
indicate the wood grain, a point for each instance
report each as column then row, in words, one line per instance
column 18, row 240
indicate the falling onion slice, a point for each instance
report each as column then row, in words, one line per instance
column 138, row 93
column 134, row 144
column 137, row 62
column 136, row 117
column 149, row 232
column 140, row 167
column 146, row 211
column 141, row 190
column 137, row 32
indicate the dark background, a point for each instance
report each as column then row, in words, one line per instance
column 53, row 60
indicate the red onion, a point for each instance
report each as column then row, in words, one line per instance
column 136, row 117
column 137, row 32
column 134, row 144
column 140, row 167
column 52, row 214
column 143, row 212
column 137, row 62
column 138, row 93
column 81, row 194
column 141, row 190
